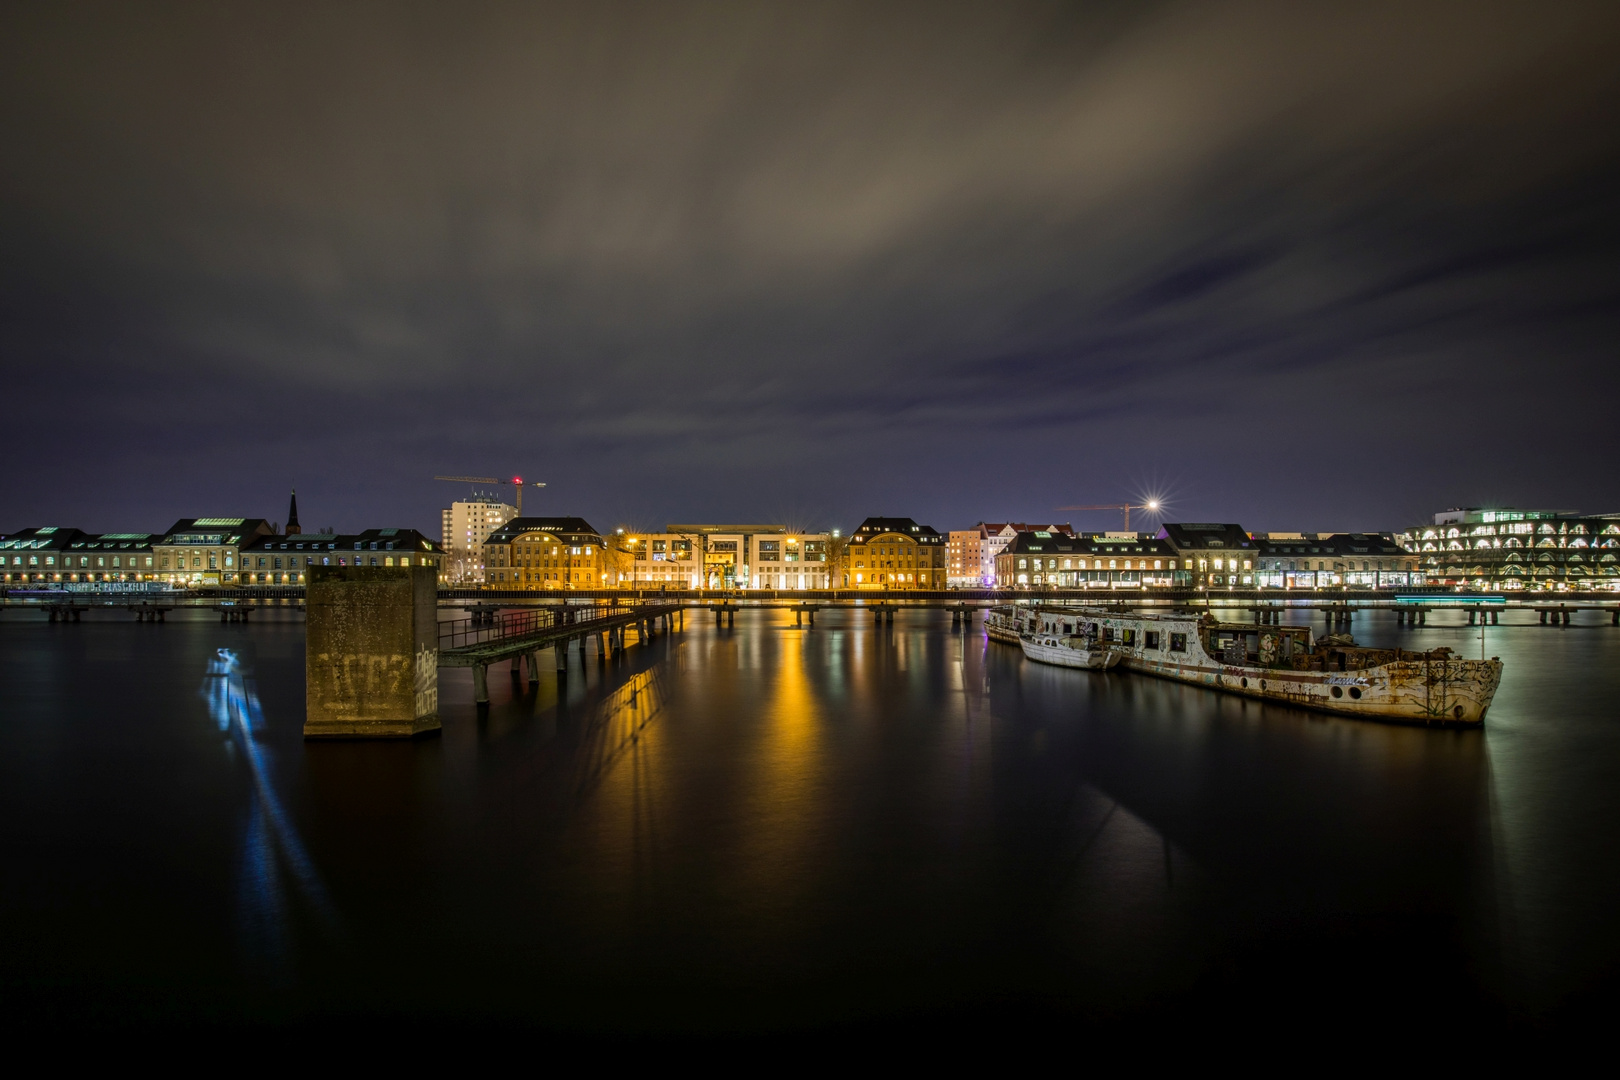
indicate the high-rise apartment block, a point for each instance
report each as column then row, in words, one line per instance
column 467, row 526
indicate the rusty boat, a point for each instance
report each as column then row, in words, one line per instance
column 1290, row 664
column 1282, row 663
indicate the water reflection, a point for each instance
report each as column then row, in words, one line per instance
column 272, row 850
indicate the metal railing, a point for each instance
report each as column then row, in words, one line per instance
column 502, row 627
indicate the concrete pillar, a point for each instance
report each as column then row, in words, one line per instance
column 1543, row 614
column 812, row 612
column 1472, row 615
column 561, row 649
column 481, row 684
column 1495, row 615
column 1423, row 617
column 371, row 652
column 798, row 616
column 888, row 615
column 731, row 619
column 1566, row 618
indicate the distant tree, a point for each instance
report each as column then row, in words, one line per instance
column 620, row 559
column 837, row 561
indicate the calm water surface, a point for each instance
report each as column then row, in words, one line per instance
column 770, row 829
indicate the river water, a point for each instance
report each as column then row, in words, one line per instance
column 771, row 830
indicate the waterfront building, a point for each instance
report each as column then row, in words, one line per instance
column 38, row 556
column 546, row 553
column 668, row 560
column 271, row 559
column 1518, row 549
column 1049, row 559
column 759, row 556
column 205, row 551
column 970, row 554
column 465, row 526
column 896, row 553
column 1213, row 555
column 1334, row 560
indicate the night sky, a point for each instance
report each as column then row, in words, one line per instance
column 1297, row 266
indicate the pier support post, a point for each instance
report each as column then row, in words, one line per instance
column 371, row 652
column 798, row 616
column 1495, row 615
column 812, row 612
column 1565, row 613
column 480, row 684
column 1423, row 616
column 1543, row 614
column 1472, row 615
column 561, row 649
column 731, row 619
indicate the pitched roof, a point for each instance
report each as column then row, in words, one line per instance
column 567, row 526
column 1048, row 543
column 383, row 539
column 1187, row 536
column 904, row 526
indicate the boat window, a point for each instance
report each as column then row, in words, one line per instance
column 1130, row 637
column 1178, row 642
column 1153, row 639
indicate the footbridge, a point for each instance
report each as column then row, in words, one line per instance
column 519, row 636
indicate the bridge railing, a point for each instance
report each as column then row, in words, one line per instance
column 510, row 625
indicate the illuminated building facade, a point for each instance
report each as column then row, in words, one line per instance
column 896, row 553
column 546, row 553
column 284, row 559
column 970, row 554
column 1518, row 549
column 1046, row 559
column 757, row 556
column 1213, row 555
column 1334, row 560
column 206, row 551
column 465, row 525
column 657, row 561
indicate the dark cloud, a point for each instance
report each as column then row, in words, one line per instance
column 1310, row 266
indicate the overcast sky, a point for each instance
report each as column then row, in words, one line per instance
column 1298, row 266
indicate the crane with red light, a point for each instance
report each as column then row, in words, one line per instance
column 516, row 481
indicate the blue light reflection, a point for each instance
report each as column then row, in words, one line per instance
column 272, row 848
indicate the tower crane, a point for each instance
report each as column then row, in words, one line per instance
column 1150, row 506
column 516, row 481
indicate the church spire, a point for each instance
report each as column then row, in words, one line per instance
column 292, row 516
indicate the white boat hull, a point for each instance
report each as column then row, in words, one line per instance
column 1068, row 656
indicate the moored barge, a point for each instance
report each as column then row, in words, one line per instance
column 1289, row 664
